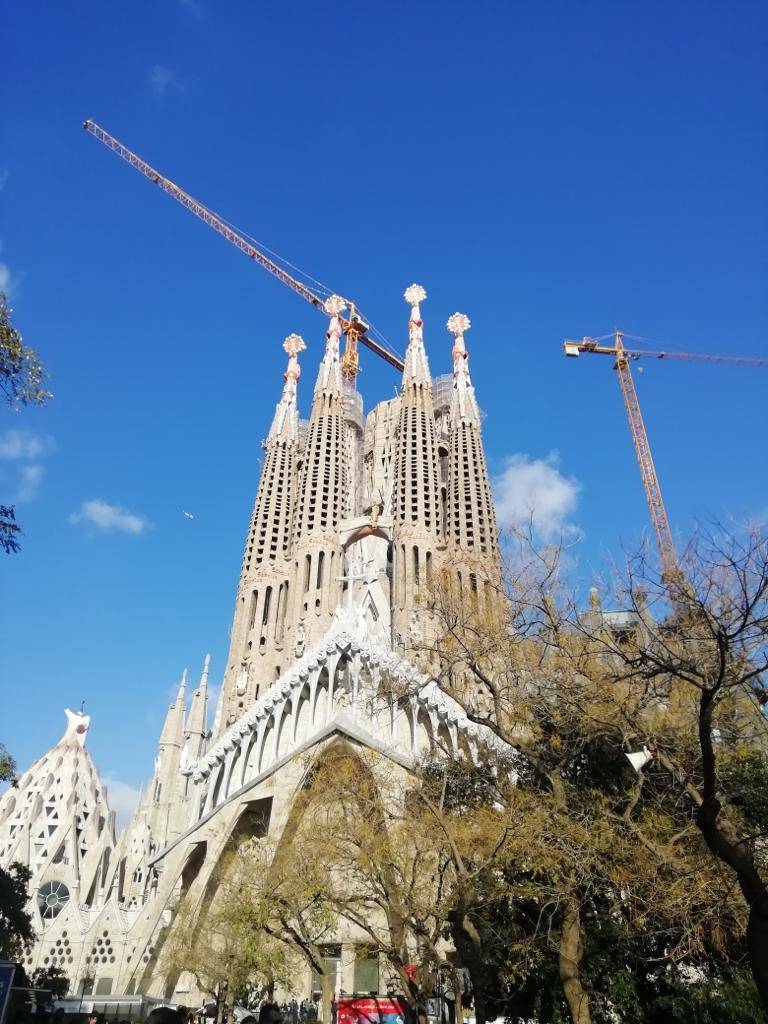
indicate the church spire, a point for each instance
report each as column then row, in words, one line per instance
column 284, row 423
column 416, row 363
column 471, row 524
column 263, row 591
column 173, row 728
column 323, row 495
column 195, row 725
column 416, row 482
column 464, row 403
column 416, row 495
column 321, row 499
column 329, row 374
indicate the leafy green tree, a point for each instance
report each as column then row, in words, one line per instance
column 222, row 941
column 698, row 653
column 590, row 840
column 7, row 765
column 16, row 931
column 22, row 376
column 9, row 530
column 22, row 380
column 53, row 979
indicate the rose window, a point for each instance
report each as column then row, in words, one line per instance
column 51, row 899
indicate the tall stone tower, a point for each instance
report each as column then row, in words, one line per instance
column 264, row 591
column 337, row 503
column 471, row 520
column 416, row 497
column 323, row 497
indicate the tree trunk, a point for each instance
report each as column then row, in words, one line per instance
column 757, row 944
column 327, row 989
column 221, row 1003
column 570, row 954
column 737, row 855
column 470, row 949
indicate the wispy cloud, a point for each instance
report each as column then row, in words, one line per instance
column 20, row 444
column 122, row 799
column 109, row 518
column 24, row 475
column 30, row 478
column 163, row 81
column 535, row 491
column 7, row 279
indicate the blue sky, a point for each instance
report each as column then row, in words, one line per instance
column 552, row 169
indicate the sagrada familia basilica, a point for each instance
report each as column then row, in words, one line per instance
column 353, row 514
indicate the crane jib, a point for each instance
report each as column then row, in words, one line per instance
column 210, row 218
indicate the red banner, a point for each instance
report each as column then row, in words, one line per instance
column 371, row 1010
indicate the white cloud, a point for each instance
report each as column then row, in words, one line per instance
column 214, row 692
column 109, row 518
column 122, row 799
column 30, row 478
column 19, row 444
column 7, row 279
column 23, row 481
column 163, row 80
column 534, row 490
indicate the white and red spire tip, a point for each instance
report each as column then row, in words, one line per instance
column 334, row 305
column 458, row 324
column 294, row 344
column 414, row 294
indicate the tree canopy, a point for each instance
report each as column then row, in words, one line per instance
column 22, row 375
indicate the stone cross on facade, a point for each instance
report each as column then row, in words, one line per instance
column 357, row 574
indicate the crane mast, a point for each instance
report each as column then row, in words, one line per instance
column 355, row 329
column 622, row 355
column 645, row 461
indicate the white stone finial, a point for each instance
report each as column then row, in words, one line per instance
column 414, row 294
column 334, row 305
column 77, row 726
column 294, row 344
column 458, row 324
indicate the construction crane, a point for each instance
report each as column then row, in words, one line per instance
column 356, row 330
column 622, row 356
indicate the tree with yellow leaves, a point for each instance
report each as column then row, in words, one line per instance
column 599, row 842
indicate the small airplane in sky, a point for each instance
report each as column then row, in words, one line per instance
column 188, row 514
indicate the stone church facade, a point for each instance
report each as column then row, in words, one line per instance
column 353, row 516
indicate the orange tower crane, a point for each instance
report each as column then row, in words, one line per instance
column 622, row 356
column 356, row 330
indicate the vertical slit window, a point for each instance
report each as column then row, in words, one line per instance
column 267, row 602
column 320, row 563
